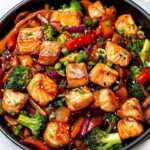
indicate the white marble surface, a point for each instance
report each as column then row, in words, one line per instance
column 5, row 5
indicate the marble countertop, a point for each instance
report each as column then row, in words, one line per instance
column 5, row 144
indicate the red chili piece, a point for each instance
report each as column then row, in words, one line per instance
column 35, row 143
column 81, row 41
column 144, row 76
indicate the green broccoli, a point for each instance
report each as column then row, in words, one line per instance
column 145, row 52
column 135, row 90
column 19, row 78
column 48, row 32
column 81, row 57
column 101, row 140
column 74, row 6
column 111, row 120
column 136, row 46
column 17, row 130
column 35, row 123
column 134, row 72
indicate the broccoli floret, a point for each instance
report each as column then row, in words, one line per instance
column 101, row 140
column 134, row 72
column 17, row 130
column 19, row 78
column 145, row 50
column 35, row 123
column 111, row 120
column 136, row 90
column 74, row 6
column 136, row 46
column 49, row 32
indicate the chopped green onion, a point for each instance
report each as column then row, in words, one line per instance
column 58, row 66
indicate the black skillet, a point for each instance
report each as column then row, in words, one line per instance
column 123, row 6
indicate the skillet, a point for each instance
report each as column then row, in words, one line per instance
column 123, row 6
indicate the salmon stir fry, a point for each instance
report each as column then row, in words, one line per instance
column 75, row 78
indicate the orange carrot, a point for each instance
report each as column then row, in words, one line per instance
column 86, row 3
column 122, row 93
column 77, row 127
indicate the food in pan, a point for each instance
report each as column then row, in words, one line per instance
column 75, row 77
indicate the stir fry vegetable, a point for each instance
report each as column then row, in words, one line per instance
column 75, row 77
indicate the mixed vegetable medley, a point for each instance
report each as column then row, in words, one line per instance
column 76, row 77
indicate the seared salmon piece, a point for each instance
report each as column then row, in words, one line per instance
column 107, row 100
column 76, row 74
column 29, row 40
column 42, row 89
column 66, row 18
column 57, row 134
column 13, row 101
column 125, row 25
column 25, row 60
column 129, row 128
column 49, row 52
column 96, row 10
column 102, row 75
column 117, row 55
column 78, row 98
column 131, row 108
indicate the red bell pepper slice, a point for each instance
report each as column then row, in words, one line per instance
column 144, row 76
column 81, row 41
column 35, row 143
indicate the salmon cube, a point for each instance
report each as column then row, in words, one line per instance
column 66, row 18
column 78, row 98
column 29, row 40
column 49, row 52
column 77, row 75
column 13, row 101
column 42, row 89
column 126, row 25
column 129, row 128
column 117, row 54
column 96, row 10
column 102, row 75
column 25, row 60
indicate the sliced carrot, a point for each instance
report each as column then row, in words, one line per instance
column 38, row 108
column 86, row 3
column 96, row 99
column 77, row 127
column 63, row 114
column 122, row 93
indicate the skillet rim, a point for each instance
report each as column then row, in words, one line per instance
column 140, row 139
